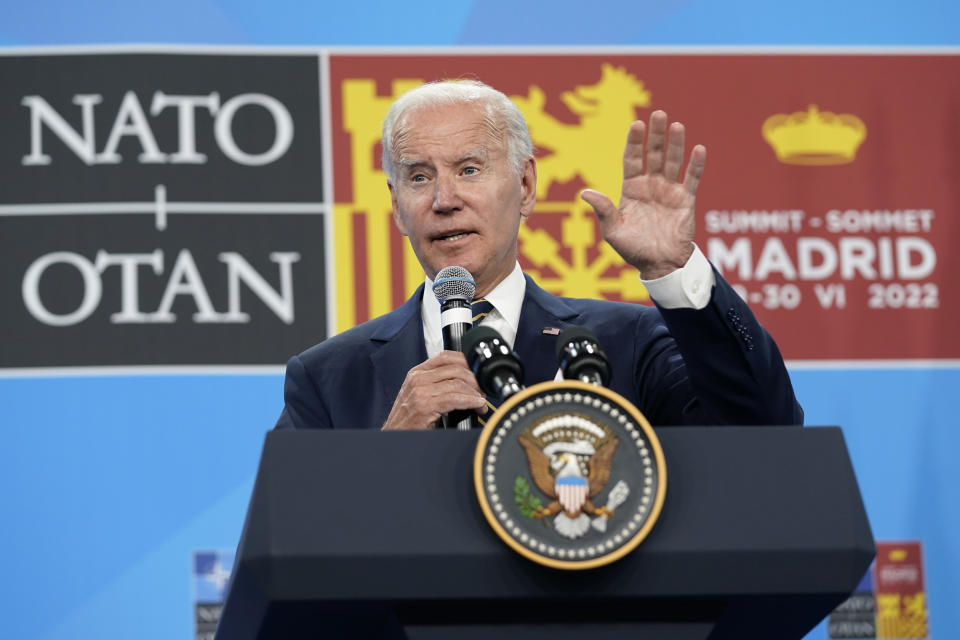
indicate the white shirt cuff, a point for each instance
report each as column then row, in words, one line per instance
column 689, row 287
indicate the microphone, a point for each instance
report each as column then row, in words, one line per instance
column 454, row 288
column 496, row 366
column 581, row 357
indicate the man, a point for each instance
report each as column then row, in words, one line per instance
column 462, row 176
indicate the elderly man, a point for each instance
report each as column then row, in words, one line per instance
column 462, row 177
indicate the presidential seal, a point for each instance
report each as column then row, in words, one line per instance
column 569, row 474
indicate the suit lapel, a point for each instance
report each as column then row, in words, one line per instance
column 541, row 310
column 401, row 335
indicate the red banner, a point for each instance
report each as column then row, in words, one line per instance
column 829, row 198
column 901, row 597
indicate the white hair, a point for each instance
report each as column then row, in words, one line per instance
column 498, row 106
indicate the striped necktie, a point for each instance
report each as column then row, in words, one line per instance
column 481, row 309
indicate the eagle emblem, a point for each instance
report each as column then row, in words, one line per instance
column 569, row 458
column 569, row 474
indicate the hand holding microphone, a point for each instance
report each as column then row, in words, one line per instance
column 454, row 289
column 443, row 385
column 433, row 388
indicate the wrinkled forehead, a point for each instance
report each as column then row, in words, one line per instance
column 463, row 123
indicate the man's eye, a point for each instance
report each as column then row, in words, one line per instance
column 418, row 178
column 470, row 170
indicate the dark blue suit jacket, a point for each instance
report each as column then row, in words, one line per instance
column 716, row 365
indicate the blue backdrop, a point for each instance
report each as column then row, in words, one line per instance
column 110, row 483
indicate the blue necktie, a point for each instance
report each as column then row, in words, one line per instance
column 481, row 308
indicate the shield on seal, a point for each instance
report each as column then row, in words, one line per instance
column 571, row 492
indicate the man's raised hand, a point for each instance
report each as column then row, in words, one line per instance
column 653, row 227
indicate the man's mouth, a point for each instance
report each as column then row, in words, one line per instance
column 453, row 236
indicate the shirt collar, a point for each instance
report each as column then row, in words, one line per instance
column 507, row 297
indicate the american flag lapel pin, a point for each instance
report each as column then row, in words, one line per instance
column 551, row 331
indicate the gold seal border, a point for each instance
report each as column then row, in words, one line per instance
column 623, row 403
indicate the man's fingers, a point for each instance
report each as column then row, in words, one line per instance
column 633, row 152
column 445, row 374
column 443, row 358
column 698, row 159
column 656, row 141
column 446, row 365
column 601, row 204
column 671, row 169
column 440, row 385
column 420, row 406
column 446, row 396
column 424, row 405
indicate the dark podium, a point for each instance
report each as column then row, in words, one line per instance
column 363, row 534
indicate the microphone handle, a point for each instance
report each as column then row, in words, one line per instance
column 453, row 335
column 456, row 318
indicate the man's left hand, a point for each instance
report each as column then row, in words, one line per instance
column 653, row 227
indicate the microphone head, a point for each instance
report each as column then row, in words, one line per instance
column 454, row 282
column 497, row 368
column 473, row 338
column 581, row 358
column 573, row 334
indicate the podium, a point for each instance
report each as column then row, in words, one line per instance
column 364, row 534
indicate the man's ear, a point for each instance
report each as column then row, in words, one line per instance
column 397, row 218
column 528, row 187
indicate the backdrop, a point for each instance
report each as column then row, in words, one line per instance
column 177, row 218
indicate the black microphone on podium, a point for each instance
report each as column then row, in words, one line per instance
column 498, row 369
column 454, row 288
column 581, row 358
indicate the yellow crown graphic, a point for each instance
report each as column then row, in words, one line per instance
column 814, row 136
column 898, row 555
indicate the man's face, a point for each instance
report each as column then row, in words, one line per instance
column 455, row 193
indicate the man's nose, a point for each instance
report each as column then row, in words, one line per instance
column 445, row 195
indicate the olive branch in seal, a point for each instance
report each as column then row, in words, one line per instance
column 528, row 503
